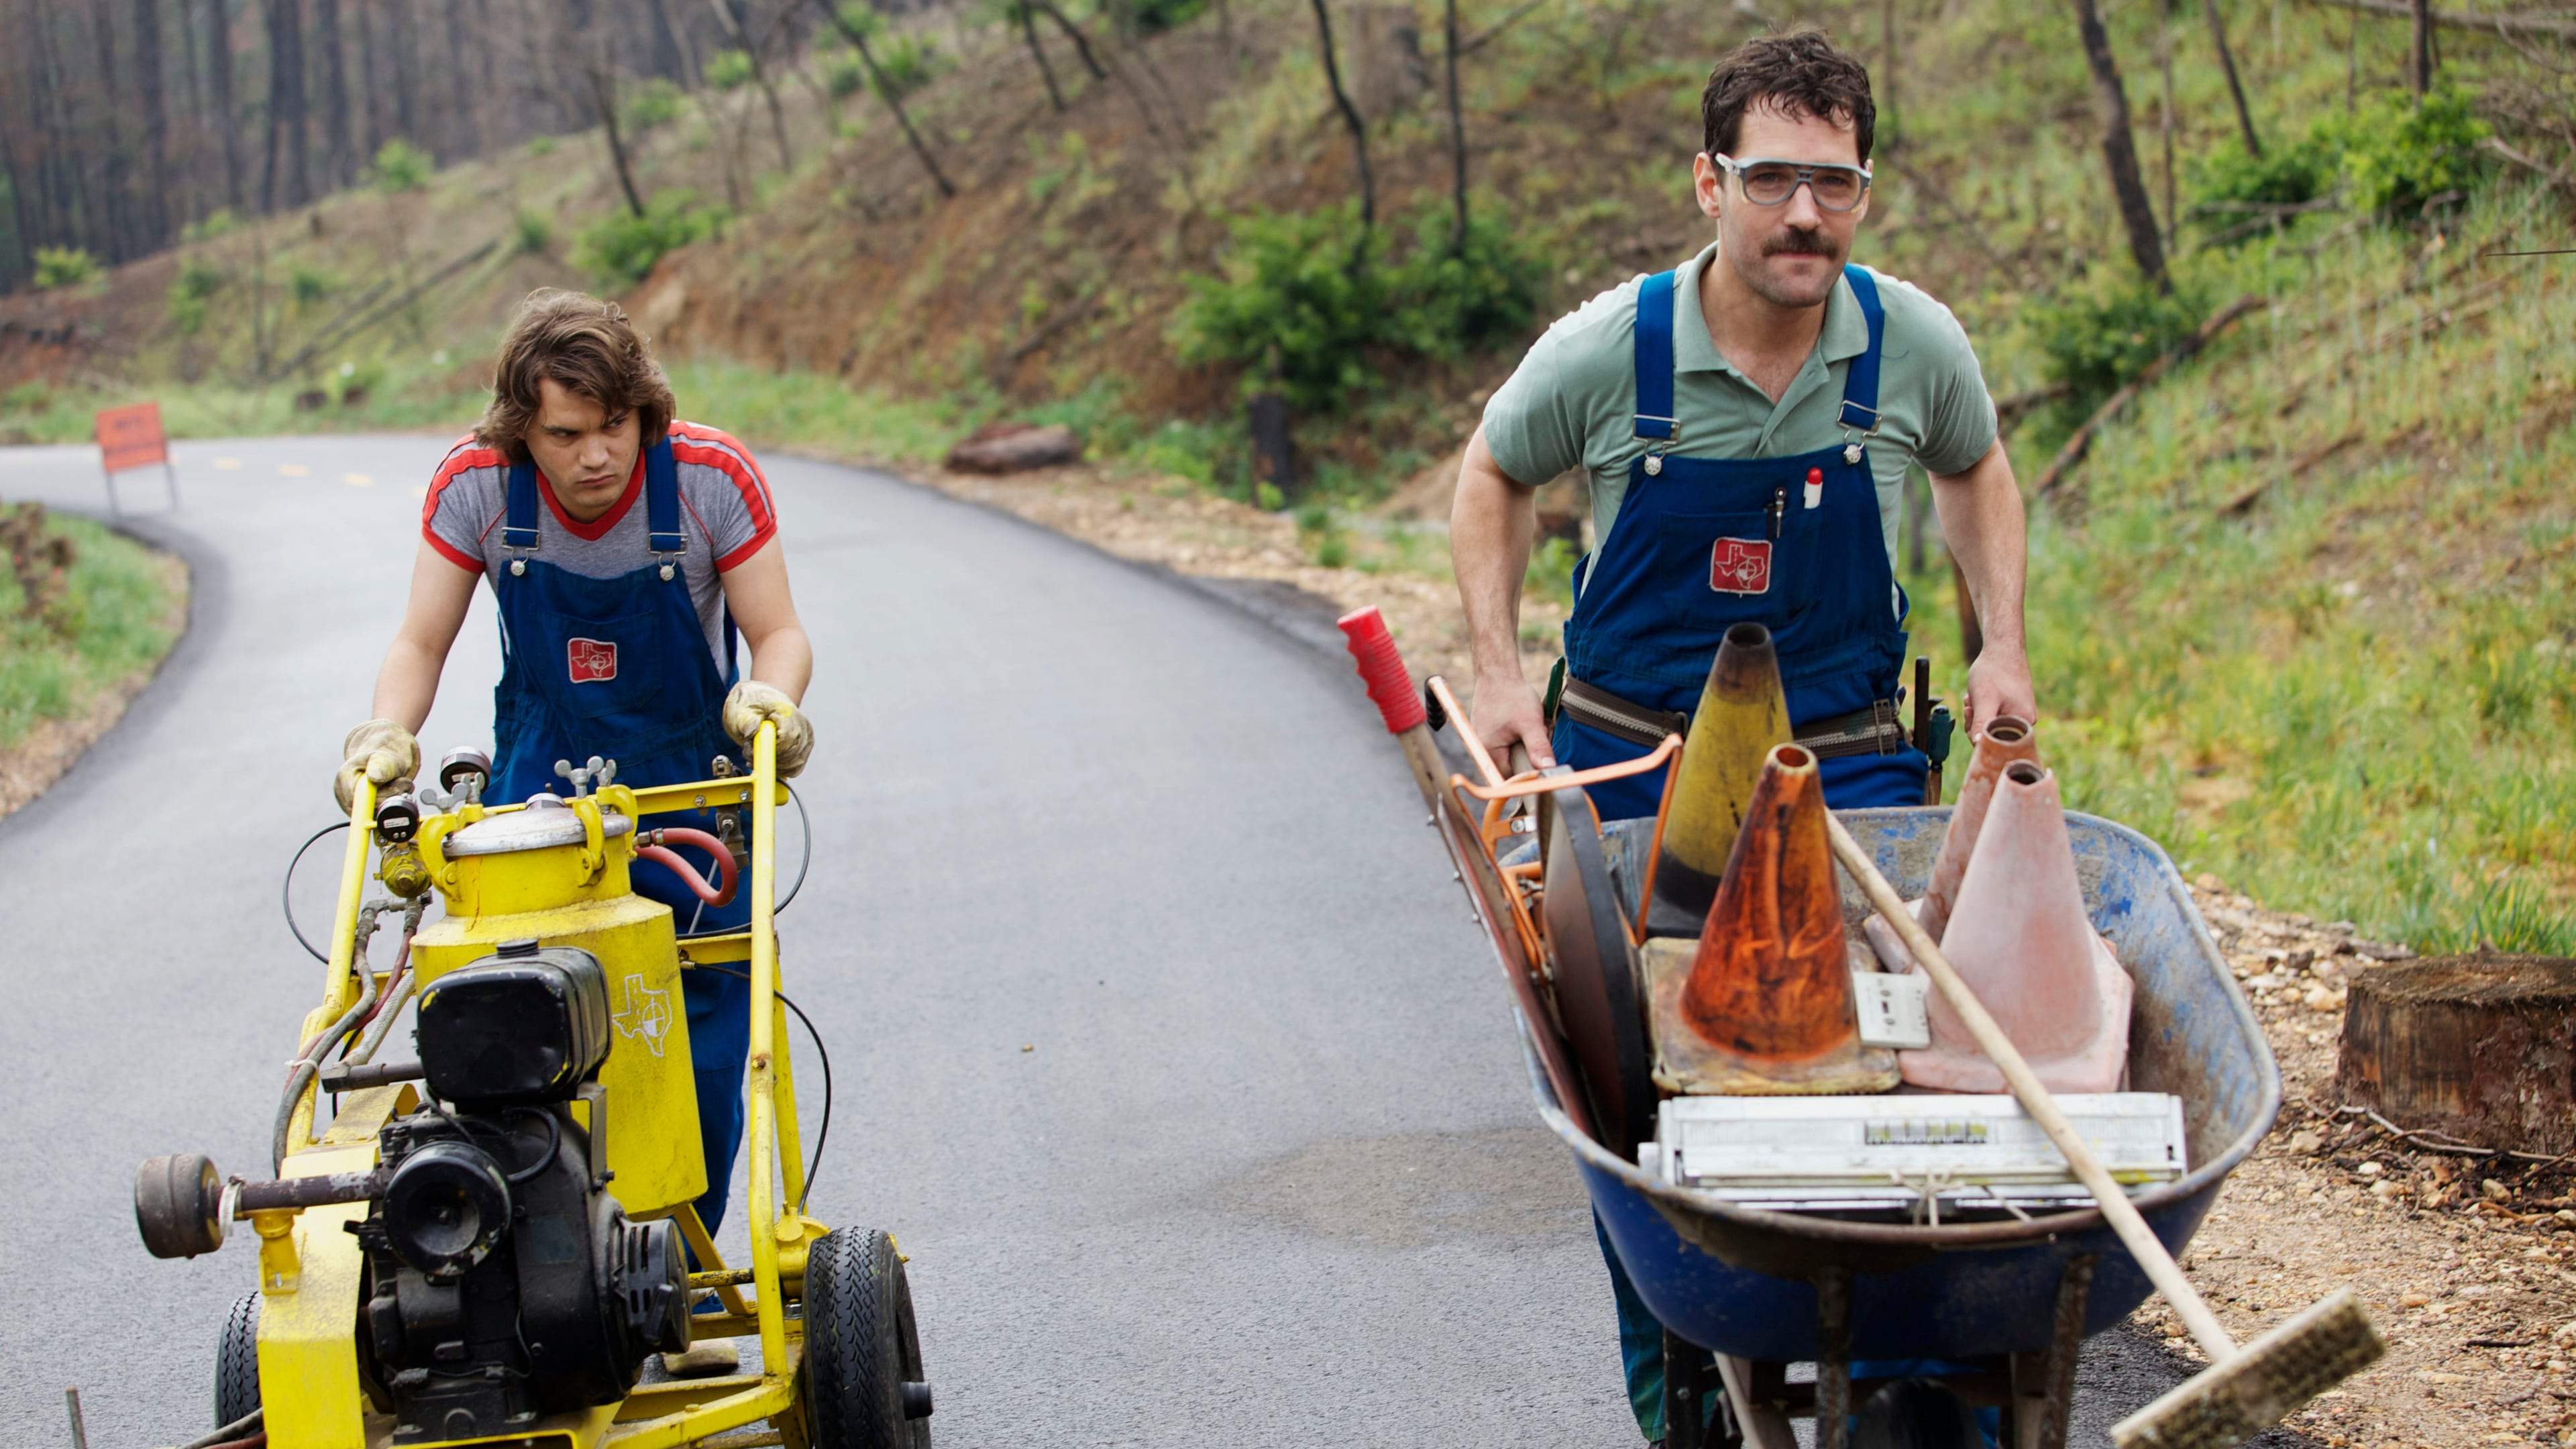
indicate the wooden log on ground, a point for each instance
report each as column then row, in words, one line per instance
column 2478, row 1048
column 1015, row 448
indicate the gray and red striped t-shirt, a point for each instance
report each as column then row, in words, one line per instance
column 725, row 513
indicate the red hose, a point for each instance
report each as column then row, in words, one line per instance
column 688, row 874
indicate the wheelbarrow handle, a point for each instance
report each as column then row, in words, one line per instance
column 2117, row 1210
column 1390, row 688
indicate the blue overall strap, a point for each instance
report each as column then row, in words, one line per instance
column 1655, row 358
column 662, row 500
column 519, row 517
column 1860, row 384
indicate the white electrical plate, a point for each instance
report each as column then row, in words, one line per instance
column 1891, row 1009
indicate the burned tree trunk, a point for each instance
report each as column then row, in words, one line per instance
column 339, row 160
column 1350, row 119
column 219, row 95
column 156, row 121
column 2479, row 1048
column 2235, row 87
column 2119, row 146
column 1029, row 34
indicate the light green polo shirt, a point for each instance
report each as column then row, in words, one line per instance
column 1573, row 400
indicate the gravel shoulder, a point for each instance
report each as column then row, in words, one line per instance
column 2467, row 1266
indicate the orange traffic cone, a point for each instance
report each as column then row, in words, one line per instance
column 1742, row 714
column 2006, row 739
column 1761, row 1004
column 2020, row 939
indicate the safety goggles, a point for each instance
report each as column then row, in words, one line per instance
column 1772, row 183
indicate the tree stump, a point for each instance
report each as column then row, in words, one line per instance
column 2481, row 1048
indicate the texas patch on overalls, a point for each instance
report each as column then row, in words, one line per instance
column 1740, row 566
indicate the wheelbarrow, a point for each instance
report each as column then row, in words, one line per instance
column 2000, row 1303
column 1985, row 1310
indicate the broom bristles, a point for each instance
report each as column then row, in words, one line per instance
column 2231, row 1402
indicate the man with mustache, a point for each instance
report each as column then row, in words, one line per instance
column 1745, row 422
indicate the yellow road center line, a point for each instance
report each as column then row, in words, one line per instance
column 293, row 470
column 420, row 490
column 357, row 480
column 229, row 465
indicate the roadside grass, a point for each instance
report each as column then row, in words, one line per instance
column 118, row 606
column 422, row 396
column 2347, row 689
column 768, row 407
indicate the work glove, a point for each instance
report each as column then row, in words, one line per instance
column 380, row 750
column 749, row 704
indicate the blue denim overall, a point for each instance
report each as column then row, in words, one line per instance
column 1701, row 544
column 651, row 700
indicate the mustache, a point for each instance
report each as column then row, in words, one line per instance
column 1800, row 241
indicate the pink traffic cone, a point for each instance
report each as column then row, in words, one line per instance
column 2006, row 739
column 2020, row 939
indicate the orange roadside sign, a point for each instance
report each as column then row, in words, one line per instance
column 130, row 437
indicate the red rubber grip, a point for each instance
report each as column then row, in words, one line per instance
column 1390, row 687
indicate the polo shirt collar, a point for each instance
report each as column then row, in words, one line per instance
column 1845, row 334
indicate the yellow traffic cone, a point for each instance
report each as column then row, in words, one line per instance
column 2021, row 940
column 1761, row 1004
column 1742, row 714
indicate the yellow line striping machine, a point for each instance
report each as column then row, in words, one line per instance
column 484, row 1246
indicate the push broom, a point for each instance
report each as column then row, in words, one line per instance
column 2244, row 1390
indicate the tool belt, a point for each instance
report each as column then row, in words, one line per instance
column 1871, row 731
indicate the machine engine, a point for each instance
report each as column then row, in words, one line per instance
column 502, row 1281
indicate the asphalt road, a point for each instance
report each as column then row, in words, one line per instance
column 1163, row 1044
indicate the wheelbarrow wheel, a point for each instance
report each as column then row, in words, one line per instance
column 1916, row 1414
column 237, row 1362
column 864, row 1387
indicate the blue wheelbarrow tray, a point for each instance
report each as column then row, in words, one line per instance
column 1742, row 1280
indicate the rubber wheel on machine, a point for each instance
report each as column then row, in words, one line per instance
column 862, row 1347
column 237, row 1362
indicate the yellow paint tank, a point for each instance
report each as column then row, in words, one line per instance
column 558, row 875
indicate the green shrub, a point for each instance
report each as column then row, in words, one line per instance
column 531, row 233
column 2287, row 175
column 541, row 145
column 1450, row 306
column 1267, row 497
column 401, row 166
column 189, row 292
column 310, row 286
column 904, row 65
column 197, row 280
column 655, row 103
column 2398, row 155
column 1301, row 298
column 1153, row 17
column 64, row 267
column 2097, row 335
column 623, row 247
column 214, row 224
column 728, row 70
column 843, row 73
